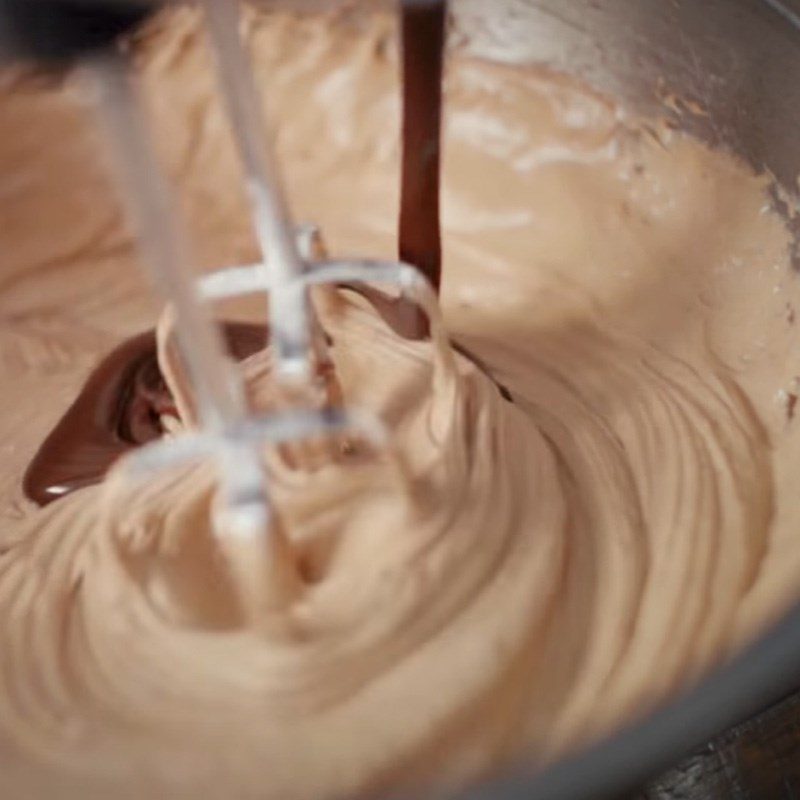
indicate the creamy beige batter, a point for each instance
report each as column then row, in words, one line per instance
column 556, row 566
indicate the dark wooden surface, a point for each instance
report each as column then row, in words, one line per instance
column 757, row 760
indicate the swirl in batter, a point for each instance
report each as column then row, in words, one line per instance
column 550, row 566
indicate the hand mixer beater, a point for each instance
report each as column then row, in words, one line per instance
column 290, row 263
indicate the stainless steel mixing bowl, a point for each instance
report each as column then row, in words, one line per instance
column 736, row 62
column 734, row 68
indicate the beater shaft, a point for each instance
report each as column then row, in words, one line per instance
column 291, row 322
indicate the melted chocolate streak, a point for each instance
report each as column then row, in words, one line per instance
column 123, row 400
column 119, row 408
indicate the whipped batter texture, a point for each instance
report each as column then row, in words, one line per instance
column 554, row 565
